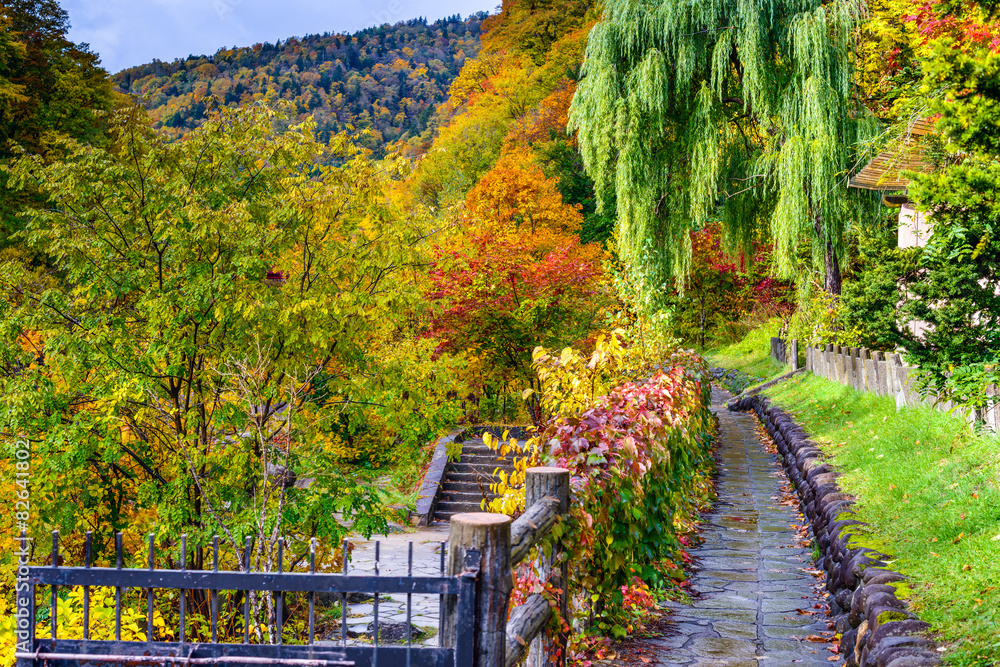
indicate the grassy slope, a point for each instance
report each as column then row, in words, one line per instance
column 928, row 487
column 750, row 355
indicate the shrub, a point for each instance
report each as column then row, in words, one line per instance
column 638, row 455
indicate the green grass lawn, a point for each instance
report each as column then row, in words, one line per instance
column 930, row 490
column 752, row 355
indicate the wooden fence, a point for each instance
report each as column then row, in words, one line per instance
column 501, row 640
column 880, row 373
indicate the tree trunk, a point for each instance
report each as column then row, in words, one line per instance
column 701, row 300
column 832, row 269
column 831, row 264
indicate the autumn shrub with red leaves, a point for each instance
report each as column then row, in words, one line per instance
column 723, row 295
column 500, row 297
column 640, row 464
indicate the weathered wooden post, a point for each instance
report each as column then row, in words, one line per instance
column 540, row 483
column 490, row 535
column 856, row 370
column 794, row 352
column 879, row 378
column 897, row 375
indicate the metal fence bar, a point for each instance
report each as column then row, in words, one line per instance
column 409, row 605
column 149, row 591
column 93, row 652
column 184, row 551
column 291, row 582
column 465, row 631
column 375, row 609
column 441, row 598
column 246, row 594
column 161, row 659
column 214, row 593
column 118, row 588
column 87, row 555
column 280, row 625
column 54, row 608
column 312, row 594
column 343, row 597
column 57, row 652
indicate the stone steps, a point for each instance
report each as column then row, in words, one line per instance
column 466, row 480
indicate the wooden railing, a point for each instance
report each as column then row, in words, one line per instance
column 502, row 640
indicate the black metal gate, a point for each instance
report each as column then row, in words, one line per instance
column 56, row 651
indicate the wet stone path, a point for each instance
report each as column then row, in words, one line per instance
column 752, row 596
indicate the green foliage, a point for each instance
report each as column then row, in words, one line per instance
column 173, row 378
column 723, row 296
column 751, row 354
column 388, row 80
column 926, row 487
column 747, row 104
column 872, row 296
column 50, row 90
column 821, row 318
column 955, row 289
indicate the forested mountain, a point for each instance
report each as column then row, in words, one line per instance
column 386, row 79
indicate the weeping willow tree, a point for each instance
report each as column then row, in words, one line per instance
column 740, row 108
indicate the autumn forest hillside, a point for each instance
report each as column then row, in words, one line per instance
column 246, row 293
column 388, row 79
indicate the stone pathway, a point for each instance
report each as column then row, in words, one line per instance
column 753, row 601
column 392, row 561
column 753, row 596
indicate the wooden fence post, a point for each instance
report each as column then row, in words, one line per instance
column 490, row 535
column 539, row 483
column 793, row 352
column 879, row 378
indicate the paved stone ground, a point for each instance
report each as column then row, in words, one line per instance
column 752, row 585
column 753, row 596
column 392, row 561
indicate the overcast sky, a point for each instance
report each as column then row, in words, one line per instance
column 133, row 32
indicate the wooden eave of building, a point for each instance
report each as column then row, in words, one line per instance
column 885, row 172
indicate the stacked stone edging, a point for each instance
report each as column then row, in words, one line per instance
column 857, row 579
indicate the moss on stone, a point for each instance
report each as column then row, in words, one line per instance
column 887, row 616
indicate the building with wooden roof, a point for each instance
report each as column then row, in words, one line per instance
column 885, row 173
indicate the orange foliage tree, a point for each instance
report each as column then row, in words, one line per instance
column 516, row 197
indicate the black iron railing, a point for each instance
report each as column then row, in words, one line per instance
column 58, row 651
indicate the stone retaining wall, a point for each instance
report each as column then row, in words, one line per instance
column 877, row 628
column 428, row 495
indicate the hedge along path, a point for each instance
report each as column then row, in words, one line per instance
column 754, row 594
